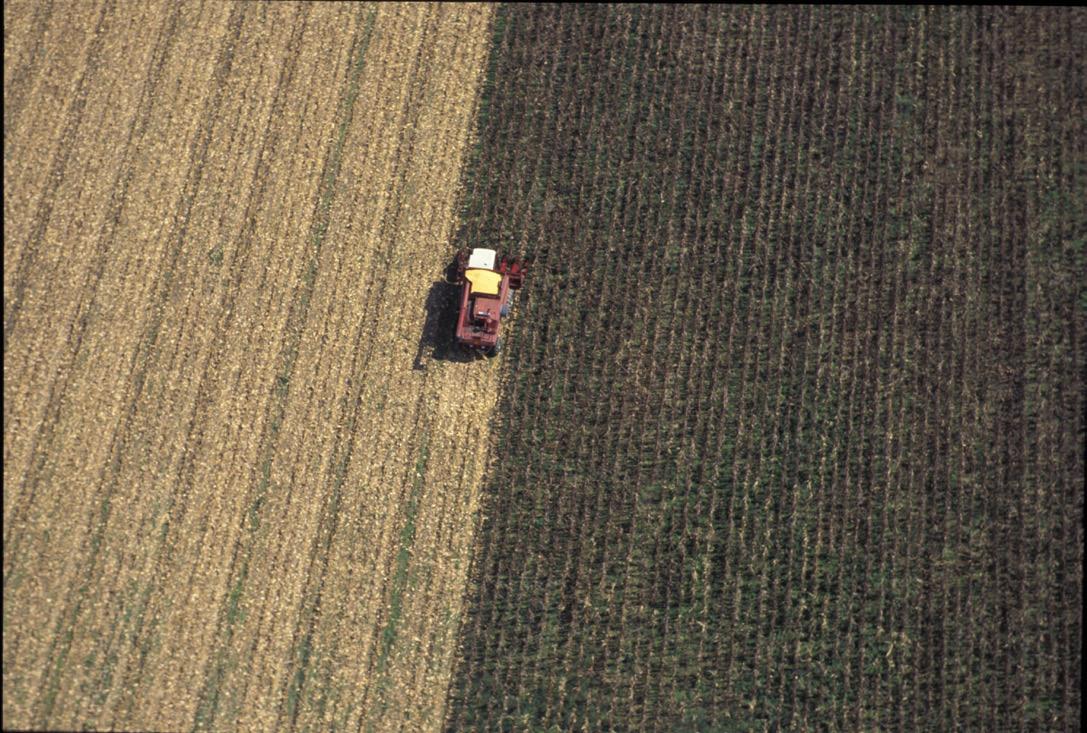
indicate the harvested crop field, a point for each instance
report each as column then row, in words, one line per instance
column 229, row 498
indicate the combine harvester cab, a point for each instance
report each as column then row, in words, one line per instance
column 486, row 297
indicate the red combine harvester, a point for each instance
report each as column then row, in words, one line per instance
column 486, row 297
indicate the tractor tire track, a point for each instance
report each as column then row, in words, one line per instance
column 204, row 530
column 208, row 701
column 342, row 451
column 29, row 150
column 17, row 86
column 90, row 543
column 342, row 446
column 43, row 435
column 55, row 658
column 27, row 182
column 176, row 503
column 197, row 428
column 27, row 253
column 117, row 199
column 52, row 560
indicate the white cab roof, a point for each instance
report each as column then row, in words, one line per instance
column 482, row 259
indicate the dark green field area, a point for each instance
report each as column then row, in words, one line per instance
column 793, row 432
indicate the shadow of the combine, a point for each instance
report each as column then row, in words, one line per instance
column 437, row 339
